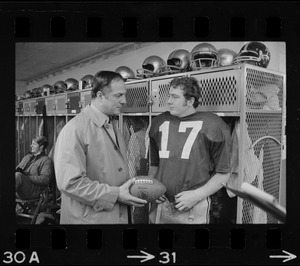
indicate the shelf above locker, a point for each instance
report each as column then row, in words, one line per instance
column 135, row 114
column 263, row 111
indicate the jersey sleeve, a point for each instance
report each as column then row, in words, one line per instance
column 220, row 151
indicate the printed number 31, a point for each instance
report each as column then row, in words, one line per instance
column 164, row 129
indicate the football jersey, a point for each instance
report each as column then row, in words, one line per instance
column 188, row 149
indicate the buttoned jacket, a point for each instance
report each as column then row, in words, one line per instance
column 89, row 168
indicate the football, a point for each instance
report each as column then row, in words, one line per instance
column 147, row 188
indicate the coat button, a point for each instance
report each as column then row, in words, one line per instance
column 120, row 169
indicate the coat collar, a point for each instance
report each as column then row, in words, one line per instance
column 96, row 116
column 99, row 120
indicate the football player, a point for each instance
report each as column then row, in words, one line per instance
column 190, row 154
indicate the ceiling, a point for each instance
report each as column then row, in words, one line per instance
column 36, row 59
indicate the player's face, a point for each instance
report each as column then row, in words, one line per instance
column 114, row 99
column 177, row 103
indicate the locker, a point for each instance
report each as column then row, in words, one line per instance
column 73, row 103
column 40, row 104
column 137, row 97
column 33, row 105
column 19, row 108
column 50, row 105
column 86, row 98
column 60, row 103
column 27, row 107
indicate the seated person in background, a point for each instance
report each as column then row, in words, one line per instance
column 35, row 171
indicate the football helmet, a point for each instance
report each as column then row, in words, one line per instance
column 20, row 97
column 151, row 67
column 36, row 92
column 87, row 82
column 178, row 61
column 254, row 52
column 125, row 72
column 60, row 87
column 204, row 55
column 72, row 84
column 47, row 90
column 27, row 94
column 226, row 56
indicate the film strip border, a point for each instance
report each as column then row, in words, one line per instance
column 158, row 245
column 130, row 27
column 165, row 238
column 153, row 22
column 150, row 21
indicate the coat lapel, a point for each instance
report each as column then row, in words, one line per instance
column 99, row 121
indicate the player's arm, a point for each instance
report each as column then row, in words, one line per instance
column 187, row 199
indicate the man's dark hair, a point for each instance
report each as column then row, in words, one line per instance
column 41, row 140
column 102, row 81
column 190, row 86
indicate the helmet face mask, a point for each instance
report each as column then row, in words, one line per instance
column 255, row 53
column 87, row 82
column 151, row 67
column 72, row 84
column 27, row 94
column 36, row 92
column 178, row 61
column 60, row 87
column 204, row 55
column 204, row 61
column 47, row 90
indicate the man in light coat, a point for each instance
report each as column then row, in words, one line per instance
column 90, row 160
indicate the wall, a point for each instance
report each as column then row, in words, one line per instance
column 134, row 56
column 20, row 87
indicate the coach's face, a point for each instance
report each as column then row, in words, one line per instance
column 178, row 105
column 113, row 99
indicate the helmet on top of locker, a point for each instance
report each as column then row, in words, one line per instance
column 226, row 56
column 36, row 92
column 126, row 72
column 151, row 67
column 27, row 94
column 204, row 55
column 47, row 90
column 60, row 87
column 178, row 61
column 87, row 82
column 20, row 97
column 254, row 53
column 72, row 84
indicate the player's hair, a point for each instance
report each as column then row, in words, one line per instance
column 102, row 81
column 190, row 86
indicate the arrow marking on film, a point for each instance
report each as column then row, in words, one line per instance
column 145, row 257
column 287, row 257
